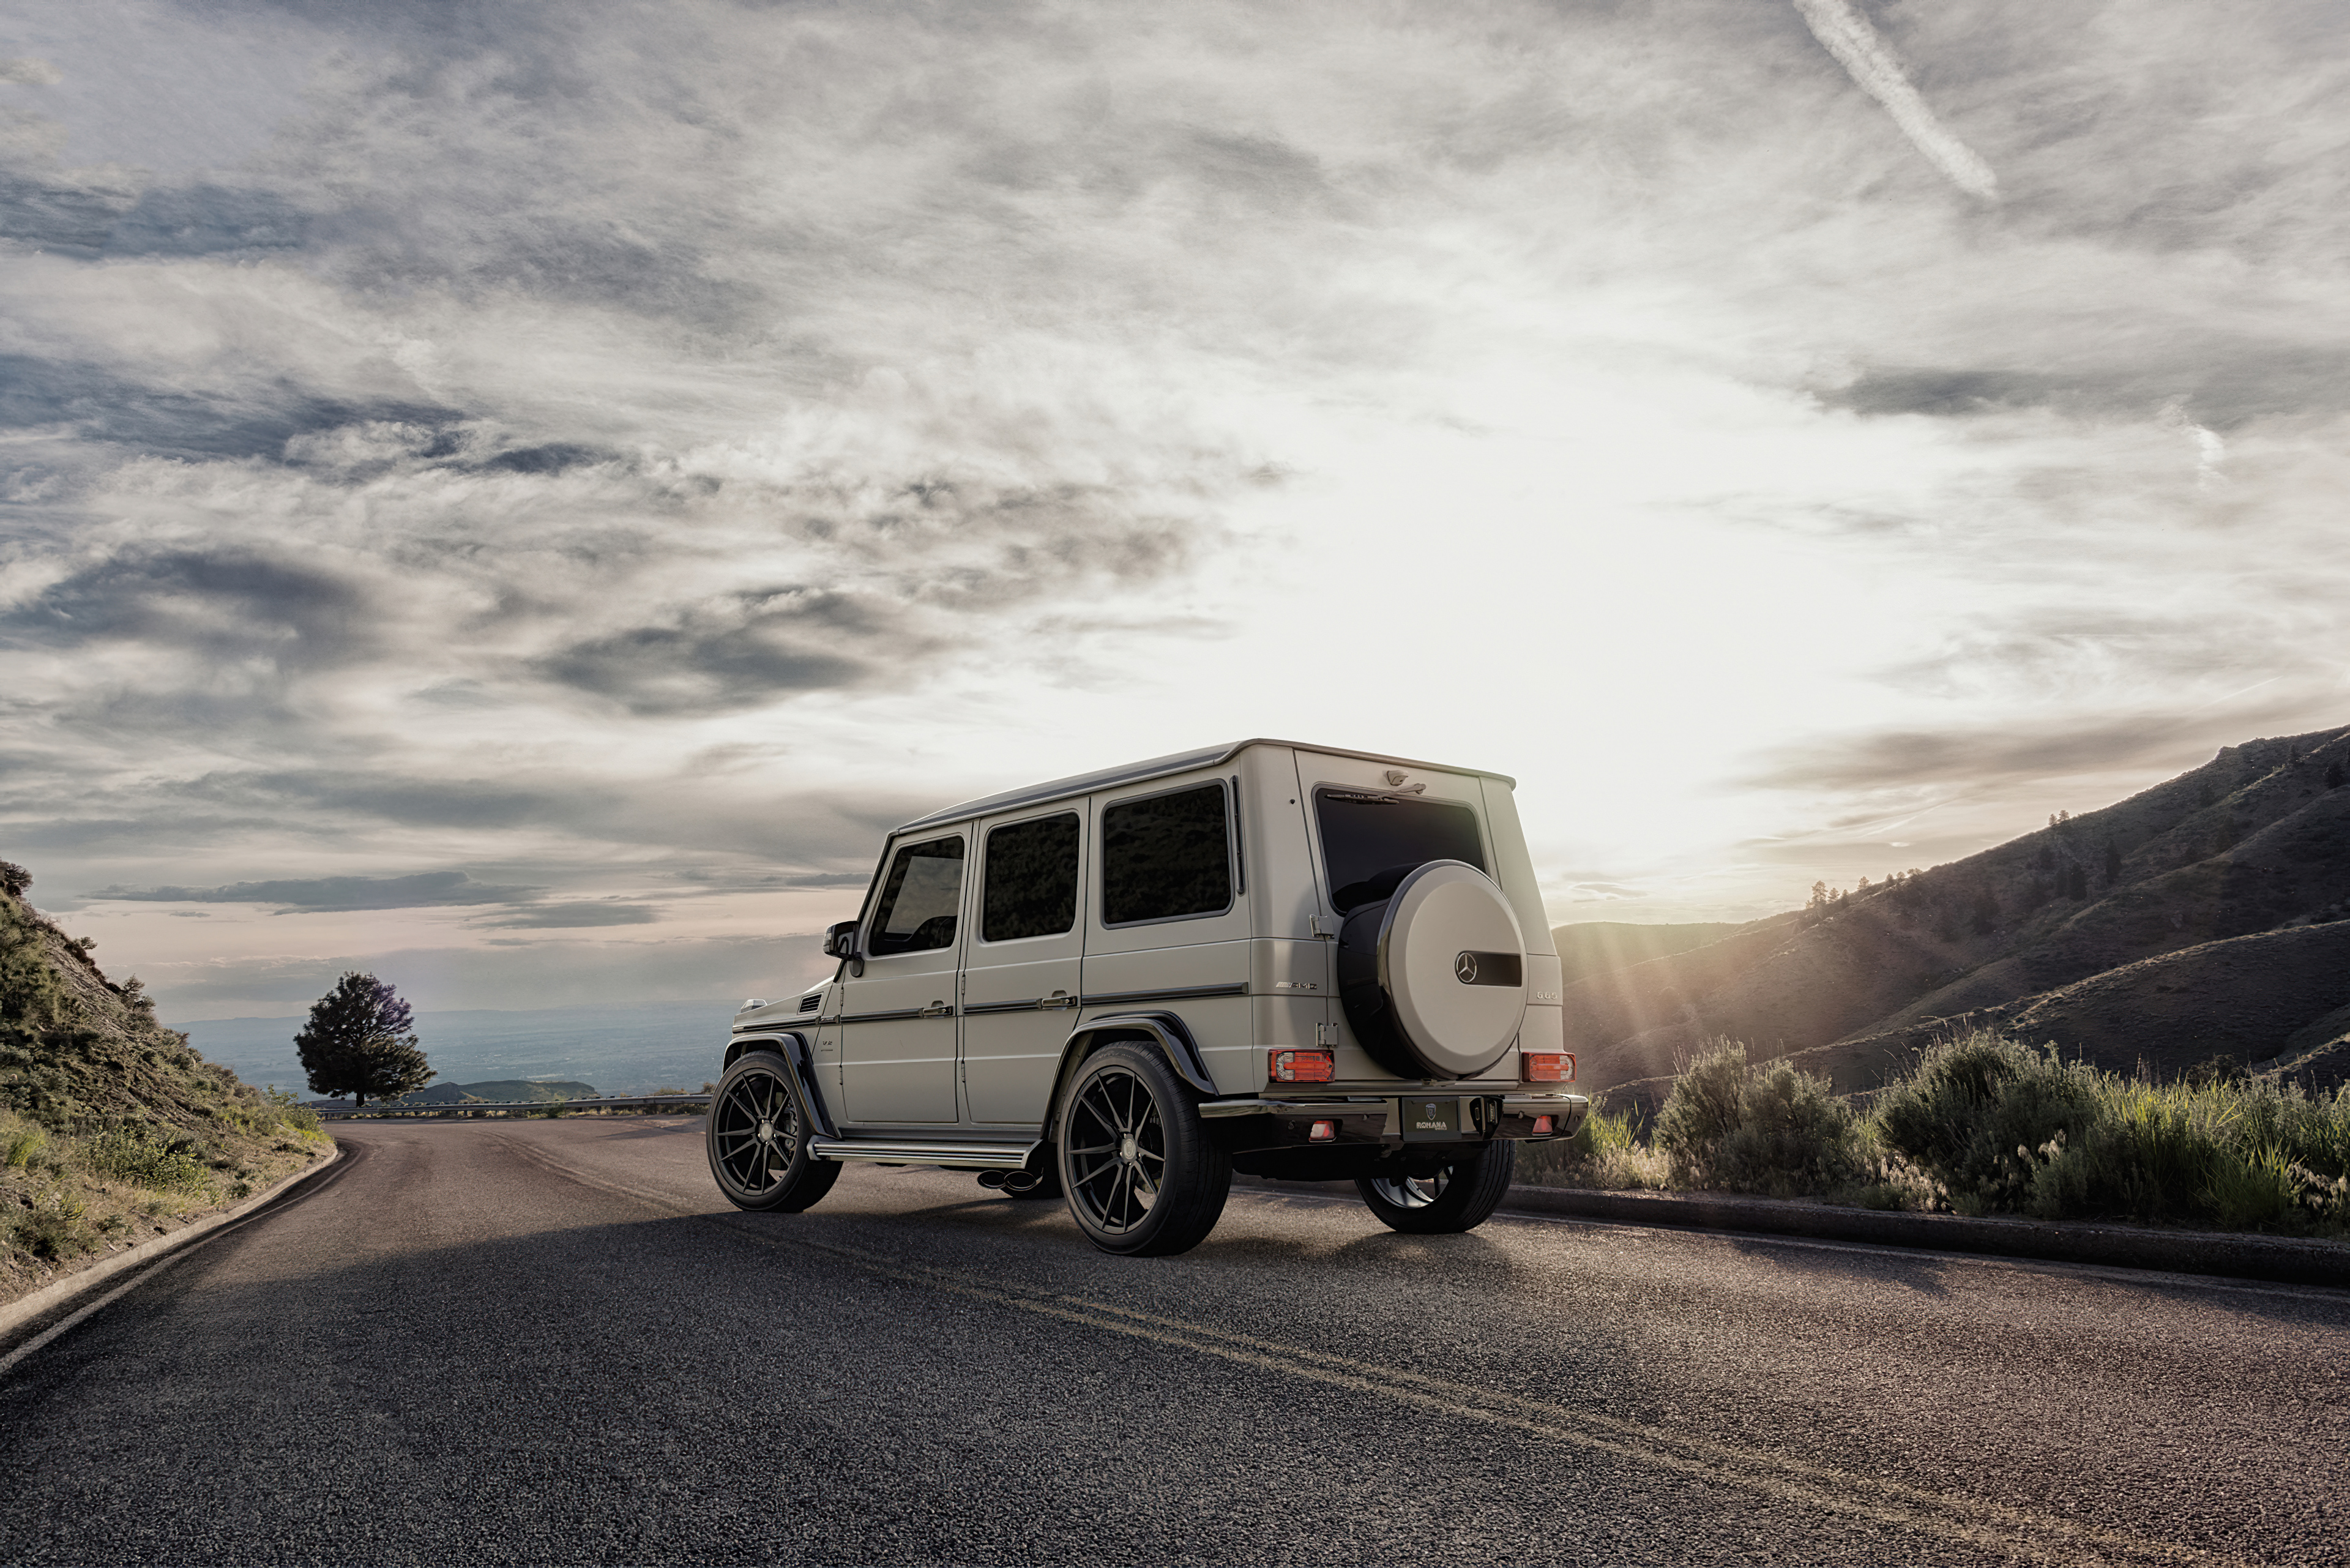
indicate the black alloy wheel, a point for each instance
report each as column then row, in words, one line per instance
column 1459, row 1195
column 1143, row 1175
column 757, row 1139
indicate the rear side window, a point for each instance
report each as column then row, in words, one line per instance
column 1371, row 842
column 1032, row 879
column 919, row 900
column 1166, row 856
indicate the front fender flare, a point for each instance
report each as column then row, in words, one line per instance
column 793, row 1047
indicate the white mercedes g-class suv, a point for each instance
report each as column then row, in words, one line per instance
column 1289, row 960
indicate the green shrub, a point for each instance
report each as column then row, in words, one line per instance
column 166, row 1164
column 53, row 1229
column 2213, row 1071
column 291, row 1113
column 21, row 1144
column 2002, row 1127
column 1975, row 1111
column 31, row 994
column 1767, row 1128
column 1604, row 1152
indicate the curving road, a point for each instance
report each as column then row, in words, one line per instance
column 549, row 1342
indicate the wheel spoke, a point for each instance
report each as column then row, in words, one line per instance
column 1115, row 1157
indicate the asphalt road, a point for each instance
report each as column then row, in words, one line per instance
column 550, row 1342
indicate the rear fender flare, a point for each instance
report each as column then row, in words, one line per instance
column 1163, row 1030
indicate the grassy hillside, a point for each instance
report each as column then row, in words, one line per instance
column 112, row 1131
column 2207, row 915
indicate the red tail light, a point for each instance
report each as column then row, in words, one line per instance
column 1298, row 1067
column 1547, row 1066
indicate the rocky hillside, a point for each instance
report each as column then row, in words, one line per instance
column 111, row 1129
column 2208, row 915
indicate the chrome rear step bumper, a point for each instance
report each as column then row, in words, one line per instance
column 1360, row 1117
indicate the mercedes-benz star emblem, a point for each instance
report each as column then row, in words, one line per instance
column 1465, row 968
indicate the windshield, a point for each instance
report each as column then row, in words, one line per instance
column 1371, row 842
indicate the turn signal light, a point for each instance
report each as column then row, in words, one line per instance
column 1299, row 1067
column 1322, row 1132
column 1547, row 1066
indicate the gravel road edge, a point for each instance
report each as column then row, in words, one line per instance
column 2281, row 1260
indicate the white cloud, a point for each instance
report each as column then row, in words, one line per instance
column 643, row 463
column 1847, row 35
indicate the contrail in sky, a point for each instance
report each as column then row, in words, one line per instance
column 1848, row 36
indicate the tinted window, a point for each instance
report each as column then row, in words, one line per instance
column 1165, row 857
column 1371, row 842
column 1032, row 879
column 919, row 900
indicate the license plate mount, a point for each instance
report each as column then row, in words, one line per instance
column 1430, row 1120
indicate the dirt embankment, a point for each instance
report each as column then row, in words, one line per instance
column 112, row 1130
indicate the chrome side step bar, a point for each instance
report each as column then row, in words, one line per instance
column 924, row 1151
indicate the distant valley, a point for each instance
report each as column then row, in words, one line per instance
column 620, row 1050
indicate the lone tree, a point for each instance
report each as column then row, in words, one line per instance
column 358, row 1042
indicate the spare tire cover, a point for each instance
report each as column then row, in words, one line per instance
column 1432, row 978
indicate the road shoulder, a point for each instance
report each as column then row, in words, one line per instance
column 2233, row 1254
column 62, row 1293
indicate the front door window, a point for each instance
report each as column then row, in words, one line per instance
column 899, row 1021
column 921, row 901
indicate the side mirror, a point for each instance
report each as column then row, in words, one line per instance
column 840, row 941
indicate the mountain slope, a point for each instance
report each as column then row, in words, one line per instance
column 2254, row 844
column 111, row 1130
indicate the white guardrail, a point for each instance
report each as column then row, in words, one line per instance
column 508, row 1108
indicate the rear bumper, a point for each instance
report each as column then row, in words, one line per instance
column 1276, row 1121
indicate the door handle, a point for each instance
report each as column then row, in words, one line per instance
column 936, row 1010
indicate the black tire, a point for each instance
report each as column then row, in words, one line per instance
column 1143, row 1177
column 1459, row 1197
column 756, row 1138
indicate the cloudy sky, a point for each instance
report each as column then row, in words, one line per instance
column 519, row 495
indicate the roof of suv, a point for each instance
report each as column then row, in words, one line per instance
column 1158, row 767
